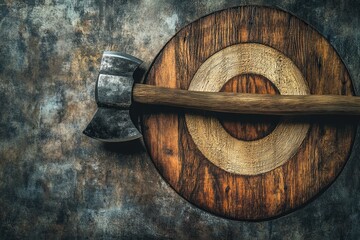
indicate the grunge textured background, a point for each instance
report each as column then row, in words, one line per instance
column 56, row 183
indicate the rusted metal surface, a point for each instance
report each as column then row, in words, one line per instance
column 57, row 183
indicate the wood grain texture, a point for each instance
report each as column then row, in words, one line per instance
column 247, row 157
column 317, row 161
column 248, row 127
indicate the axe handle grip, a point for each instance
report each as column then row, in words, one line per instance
column 264, row 104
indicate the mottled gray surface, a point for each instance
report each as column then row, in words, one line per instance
column 57, row 183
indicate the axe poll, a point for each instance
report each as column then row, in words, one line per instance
column 115, row 91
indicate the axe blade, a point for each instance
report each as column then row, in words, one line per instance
column 112, row 125
column 112, row 121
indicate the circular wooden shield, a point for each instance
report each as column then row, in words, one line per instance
column 248, row 167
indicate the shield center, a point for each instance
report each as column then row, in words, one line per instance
column 249, row 127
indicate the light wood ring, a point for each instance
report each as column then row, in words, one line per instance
column 218, row 146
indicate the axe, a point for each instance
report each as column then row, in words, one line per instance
column 115, row 91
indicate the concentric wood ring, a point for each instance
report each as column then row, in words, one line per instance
column 283, row 187
column 219, row 147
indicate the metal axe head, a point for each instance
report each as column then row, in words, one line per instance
column 112, row 122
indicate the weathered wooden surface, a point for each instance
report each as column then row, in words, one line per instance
column 248, row 179
column 56, row 183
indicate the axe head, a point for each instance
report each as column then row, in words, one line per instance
column 112, row 121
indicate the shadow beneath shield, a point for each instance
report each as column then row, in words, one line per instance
column 128, row 148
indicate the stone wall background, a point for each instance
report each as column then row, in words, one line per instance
column 56, row 183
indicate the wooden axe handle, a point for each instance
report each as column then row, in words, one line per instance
column 264, row 104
